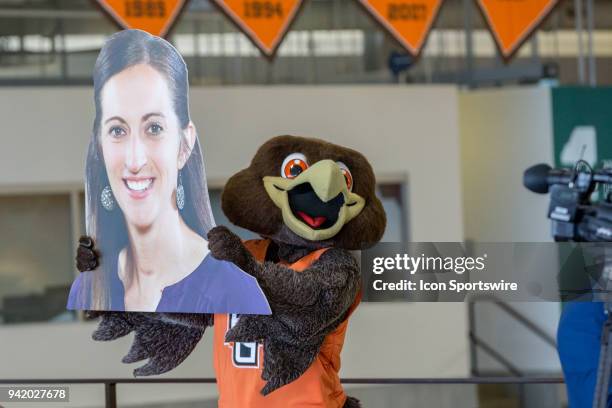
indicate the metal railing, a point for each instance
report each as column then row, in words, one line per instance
column 477, row 342
column 110, row 384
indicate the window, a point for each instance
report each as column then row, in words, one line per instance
column 36, row 257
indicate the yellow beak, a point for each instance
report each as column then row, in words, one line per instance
column 327, row 182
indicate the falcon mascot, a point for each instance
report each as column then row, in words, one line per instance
column 311, row 202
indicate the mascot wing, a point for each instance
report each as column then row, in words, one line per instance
column 306, row 307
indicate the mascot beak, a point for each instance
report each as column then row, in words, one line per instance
column 317, row 203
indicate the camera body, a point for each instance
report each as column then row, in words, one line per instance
column 573, row 216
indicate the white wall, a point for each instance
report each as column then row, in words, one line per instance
column 406, row 132
column 503, row 132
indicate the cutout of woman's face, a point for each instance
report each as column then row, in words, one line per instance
column 141, row 143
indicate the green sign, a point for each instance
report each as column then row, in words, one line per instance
column 582, row 125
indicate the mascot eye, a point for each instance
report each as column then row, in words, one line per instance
column 293, row 165
column 348, row 177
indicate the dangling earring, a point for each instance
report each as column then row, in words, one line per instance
column 107, row 199
column 180, row 193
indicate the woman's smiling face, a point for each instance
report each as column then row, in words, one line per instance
column 140, row 139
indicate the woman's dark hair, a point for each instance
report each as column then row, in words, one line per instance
column 121, row 51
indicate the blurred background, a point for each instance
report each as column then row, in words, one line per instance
column 449, row 135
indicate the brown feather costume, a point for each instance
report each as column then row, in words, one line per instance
column 306, row 306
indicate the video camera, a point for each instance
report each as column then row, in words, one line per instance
column 574, row 217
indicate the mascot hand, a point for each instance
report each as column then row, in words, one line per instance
column 227, row 246
column 87, row 257
column 115, row 324
column 165, row 344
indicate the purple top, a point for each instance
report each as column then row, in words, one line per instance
column 215, row 286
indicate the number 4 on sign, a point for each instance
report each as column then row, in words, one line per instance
column 264, row 22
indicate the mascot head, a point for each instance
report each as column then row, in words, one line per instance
column 302, row 190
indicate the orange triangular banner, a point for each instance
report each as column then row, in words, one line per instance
column 153, row 16
column 409, row 21
column 512, row 22
column 264, row 22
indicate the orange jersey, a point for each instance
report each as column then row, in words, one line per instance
column 238, row 366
